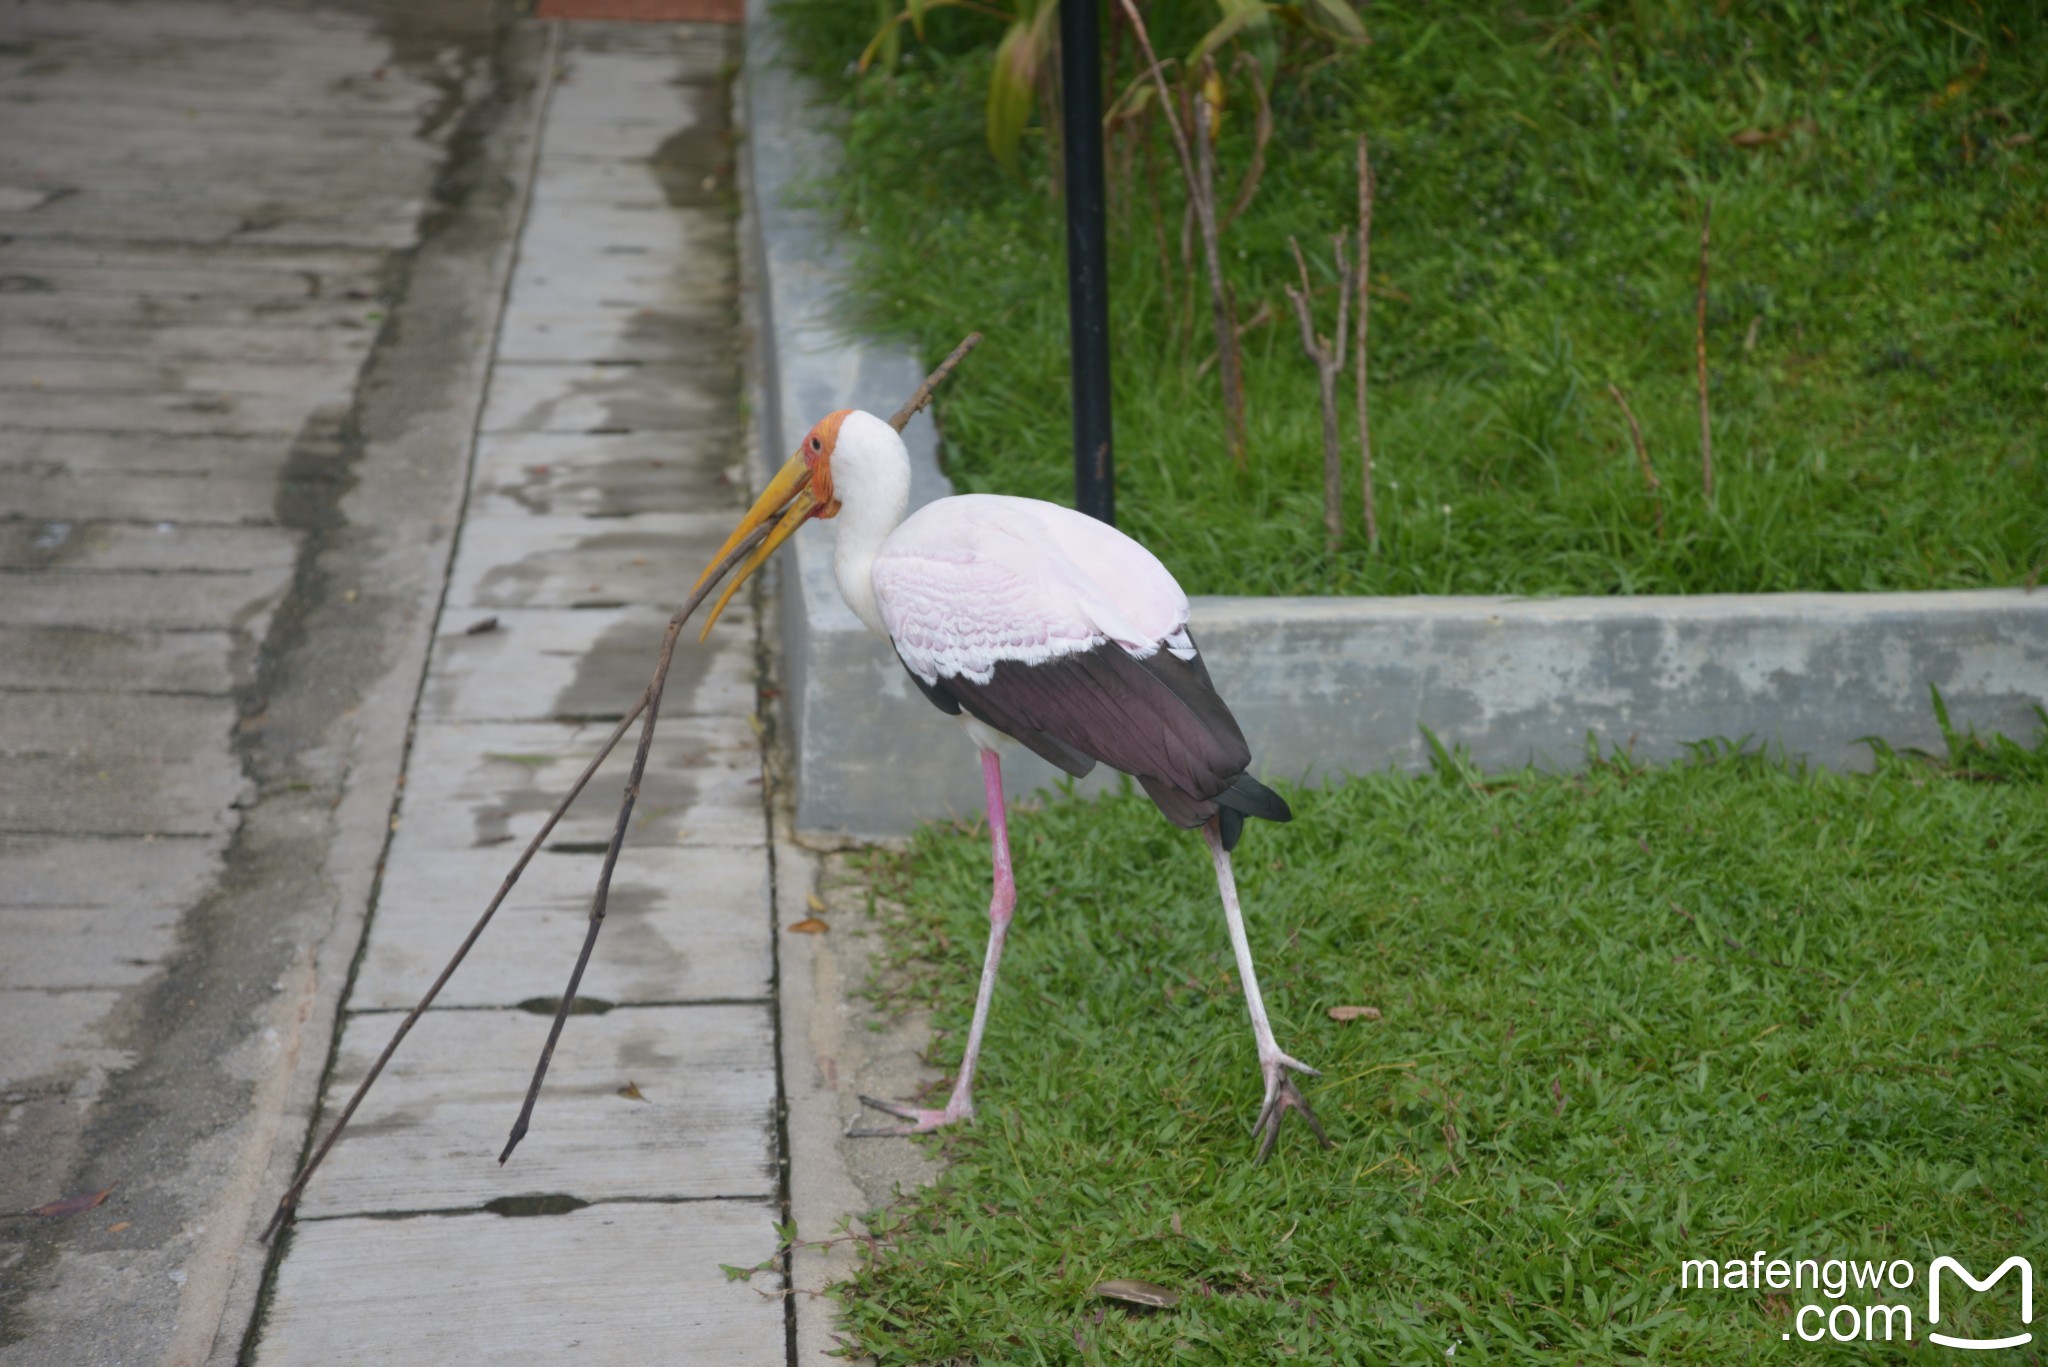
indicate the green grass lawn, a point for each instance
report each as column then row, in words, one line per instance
column 1629, row 1017
column 1878, row 307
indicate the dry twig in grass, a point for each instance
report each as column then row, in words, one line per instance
column 1262, row 133
column 1366, row 184
column 1199, row 175
column 1650, row 479
column 1261, row 316
column 1699, row 338
column 1328, row 355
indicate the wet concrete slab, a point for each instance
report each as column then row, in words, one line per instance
column 541, row 664
column 429, row 1136
column 608, row 475
column 491, row 785
column 530, row 561
column 585, row 330
column 610, row 1283
column 681, row 925
column 663, row 396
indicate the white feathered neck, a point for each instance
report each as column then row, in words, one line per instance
column 871, row 480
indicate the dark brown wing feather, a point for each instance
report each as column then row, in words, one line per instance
column 1045, row 747
column 1158, row 719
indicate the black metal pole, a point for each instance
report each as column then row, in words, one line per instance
column 1087, row 257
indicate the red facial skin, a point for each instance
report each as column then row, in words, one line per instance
column 817, row 454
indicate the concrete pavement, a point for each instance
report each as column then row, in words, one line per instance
column 370, row 390
column 602, row 483
column 248, row 254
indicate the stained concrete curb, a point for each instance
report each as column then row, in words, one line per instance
column 1326, row 687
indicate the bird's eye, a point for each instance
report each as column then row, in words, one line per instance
column 817, row 445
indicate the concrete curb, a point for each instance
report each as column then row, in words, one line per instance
column 1326, row 687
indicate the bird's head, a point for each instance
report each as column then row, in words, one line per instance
column 802, row 489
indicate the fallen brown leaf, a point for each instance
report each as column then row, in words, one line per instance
column 74, row 1205
column 1137, row 1292
column 631, row 1091
column 810, row 925
column 1759, row 137
column 117, row 1227
column 1354, row 1013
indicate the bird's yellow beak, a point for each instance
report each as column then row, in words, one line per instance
column 786, row 502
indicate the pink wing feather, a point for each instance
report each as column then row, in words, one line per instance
column 967, row 582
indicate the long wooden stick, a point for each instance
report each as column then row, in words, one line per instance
column 291, row 1196
column 602, row 896
column 648, row 703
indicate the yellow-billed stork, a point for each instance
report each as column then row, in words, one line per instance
column 1034, row 623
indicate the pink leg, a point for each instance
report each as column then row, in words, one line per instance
column 1002, row 902
column 1281, row 1094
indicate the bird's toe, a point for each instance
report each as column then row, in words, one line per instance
column 923, row 1120
column 1283, row 1097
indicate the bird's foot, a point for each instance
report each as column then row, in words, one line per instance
column 1281, row 1097
column 922, row 1120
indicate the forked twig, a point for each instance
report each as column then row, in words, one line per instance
column 1327, row 354
column 649, row 703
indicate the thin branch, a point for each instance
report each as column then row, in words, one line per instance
column 1650, row 479
column 1328, row 357
column 1166, row 275
column 1700, row 352
column 1366, row 183
column 602, row 896
column 1262, row 133
column 1205, row 211
column 648, row 703
column 1261, row 316
column 1228, row 371
column 923, row 396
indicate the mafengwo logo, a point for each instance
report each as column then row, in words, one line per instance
column 1867, row 1319
column 2013, row 1264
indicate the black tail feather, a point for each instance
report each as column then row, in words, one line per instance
column 1246, row 796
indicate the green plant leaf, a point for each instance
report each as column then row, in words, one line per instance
column 885, row 44
column 1337, row 17
column 886, row 41
column 1238, row 15
column 1015, row 78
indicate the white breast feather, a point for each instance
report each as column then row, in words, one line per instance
column 970, row 581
